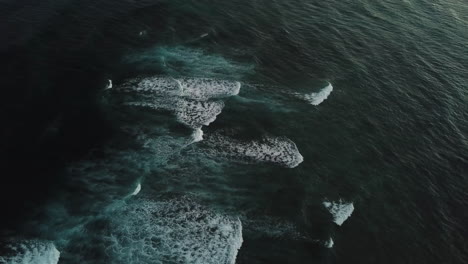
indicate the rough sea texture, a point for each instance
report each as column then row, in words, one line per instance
column 238, row 131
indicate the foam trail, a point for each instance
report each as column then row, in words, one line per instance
column 32, row 252
column 318, row 98
column 173, row 231
column 195, row 113
column 340, row 210
column 137, row 189
column 279, row 150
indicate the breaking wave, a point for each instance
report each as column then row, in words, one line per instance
column 319, row 97
column 278, row 150
column 340, row 210
column 173, row 231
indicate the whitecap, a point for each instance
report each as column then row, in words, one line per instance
column 278, row 150
column 207, row 88
column 192, row 88
column 137, row 189
column 109, row 84
column 329, row 243
column 32, row 252
column 319, row 97
column 197, row 135
column 195, row 114
column 173, row 231
column 340, row 210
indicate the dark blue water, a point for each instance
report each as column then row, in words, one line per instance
column 234, row 132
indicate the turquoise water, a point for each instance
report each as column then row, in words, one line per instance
column 236, row 132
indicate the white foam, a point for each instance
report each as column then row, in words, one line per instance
column 32, row 252
column 206, row 88
column 192, row 88
column 329, row 243
column 174, row 231
column 340, row 210
column 197, row 135
column 279, row 150
column 137, row 189
column 154, row 85
column 319, row 97
column 195, row 113
column 109, row 84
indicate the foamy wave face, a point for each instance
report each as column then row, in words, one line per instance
column 163, row 86
column 193, row 88
column 195, row 114
column 319, row 97
column 174, row 231
column 278, row 150
column 340, row 210
column 32, row 252
column 205, row 88
column 329, row 243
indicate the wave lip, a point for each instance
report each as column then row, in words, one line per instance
column 340, row 210
column 32, row 252
column 278, row 150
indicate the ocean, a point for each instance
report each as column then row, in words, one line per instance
column 222, row 132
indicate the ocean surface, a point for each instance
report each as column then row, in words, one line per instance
column 222, row 132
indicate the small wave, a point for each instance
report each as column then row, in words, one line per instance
column 329, row 243
column 194, row 114
column 319, row 97
column 32, row 252
column 279, row 150
column 173, row 231
column 137, row 189
column 340, row 210
column 109, row 84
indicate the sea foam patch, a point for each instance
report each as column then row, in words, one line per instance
column 278, row 150
column 193, row 88
column 194, row 114
column 173, row 231
column 340, row 210
column 31, row 252
column 206, row 88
